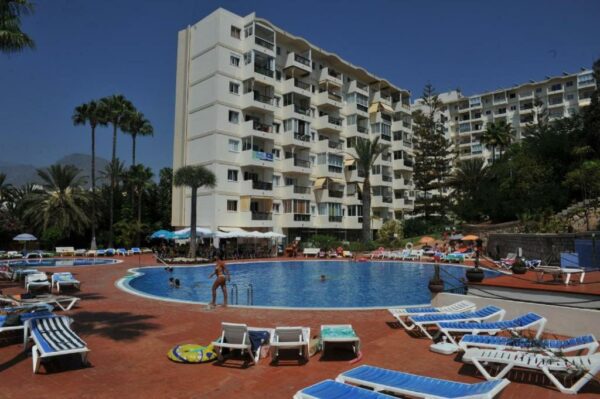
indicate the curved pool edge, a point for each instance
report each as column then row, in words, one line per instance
column 114, row 262
column 123, row 285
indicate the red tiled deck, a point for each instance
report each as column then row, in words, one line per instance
column 129, row 337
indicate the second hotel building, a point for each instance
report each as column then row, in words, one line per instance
column 276, row 118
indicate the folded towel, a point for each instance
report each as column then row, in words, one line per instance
column 338, row 332
column 258, row 338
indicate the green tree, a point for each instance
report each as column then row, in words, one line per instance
column 390, row 233
column 91, row 113
column 591, row 114
column 194, row 177
column 5, row 189
column 140, row 180
column 136, row 125
column 497, row 135
column 165, row 188
column 12, row 38
column 432, row 156
column 116, row 108
column 367, row 153
column 467, row 179
column 586, row 179
column 62, row 204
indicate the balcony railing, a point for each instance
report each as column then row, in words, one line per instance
column 301, row 85
column 362, row 129
column 301, row 217
column 263, row 99
column 262, row 185
column 387, row 200
column 335, row 146
column 262, row 127
column 335, row 219
column 408, row 162
column 300, row 110
column 334, row 120
column 262, row 216
column 301, row 190
column 302, row 137
column 386, row 178
column 301, row 163
column 263, row 70
column 302, row 60
column 263, row 43
column 336, row 194
column 335, row 169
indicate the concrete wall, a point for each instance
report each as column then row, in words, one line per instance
column 561, row 320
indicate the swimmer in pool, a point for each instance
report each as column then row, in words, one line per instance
column 223, row 277
column 323, row 277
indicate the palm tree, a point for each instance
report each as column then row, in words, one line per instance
column 139, row 178
column 136, row 124
column 468, row 177
column 12, row 39
column 116, row 108
column 194, row 177
column 367, row 153
column 497, row 135
column 61, row 204
column 93, row 114
column 5, row 189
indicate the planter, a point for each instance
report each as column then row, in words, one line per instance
column 519, row 269
column 474, row 275
column 436, row 286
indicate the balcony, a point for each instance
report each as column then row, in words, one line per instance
column 294, row 191
column 257, row 188
column 256, row 158
column 586, row 80
column 287, row 220
column 256, row 219
column 331, row 76
column 294, row 85
column 381, row 180
column 357, row 87
column 324, row 170
column 263, row 43
column 254, row 101
column 402, row 184
column 325, row 221
column 379, row 201
column 296, row 166
column 328, row 99
column 262, row 215
column 295, row 139
column 298, row 64
column 296, row 111
column 257, row 129
column 328, row 145
column 328, row 123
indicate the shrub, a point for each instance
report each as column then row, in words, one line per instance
column 390, row 233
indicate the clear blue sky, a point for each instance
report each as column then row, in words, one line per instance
column 89, row 49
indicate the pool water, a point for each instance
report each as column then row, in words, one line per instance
column 61, row 262
column 297, row 284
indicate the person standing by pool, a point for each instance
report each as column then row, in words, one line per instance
column 223, row 277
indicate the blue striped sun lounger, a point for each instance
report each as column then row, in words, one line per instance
column 524, row 322
column 52, row 336
column 486, row 313
column 401, row 383
column 23, row 317
column 329, row 389
column 583, row 342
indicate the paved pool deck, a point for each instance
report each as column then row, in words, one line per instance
column 129, row 337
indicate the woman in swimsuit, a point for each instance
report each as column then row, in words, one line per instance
column 222, row 277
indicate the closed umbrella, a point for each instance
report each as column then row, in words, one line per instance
column 24, row 237
column 470, row 237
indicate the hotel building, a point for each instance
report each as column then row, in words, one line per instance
column 276, row 119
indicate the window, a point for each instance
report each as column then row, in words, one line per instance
column 234, row 60
column 278, row 50
column 276, row 180
column 232, row 175
column 234, row 117
column 236, row 32
column 278, row 75
column 513, row 107
column 538, row 90
column 512, row 95
column 556, row 87
column 570, row 96
column 232, row 206
column 488, row 112
column 276, row 153
column 276, row 206
column 247, row 57
column 234, row 145
column 276, row 127
column 234, row 88
column 248, row 30
column 570, row 83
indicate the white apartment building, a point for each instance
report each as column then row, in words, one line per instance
column 555, row 97
column 276, row 118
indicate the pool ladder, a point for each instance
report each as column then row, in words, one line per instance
column 234, row 296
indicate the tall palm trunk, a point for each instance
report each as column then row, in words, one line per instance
column 93, row 172
column 112, row 188
column 139, row 216
column 133, row 150
column 193, row 224
column 366, row 205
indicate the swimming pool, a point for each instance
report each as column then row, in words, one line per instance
column 61, row 262
column 297, row 284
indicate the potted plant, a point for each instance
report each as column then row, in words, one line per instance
column 475, row 274
column 519, row 266
column 436, row 284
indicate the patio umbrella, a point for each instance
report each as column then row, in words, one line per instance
column 24, row 237
column 470, row 237
column 426, row 240
column 456, row 237
column 165, row 234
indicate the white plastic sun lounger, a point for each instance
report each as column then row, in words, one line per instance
column 588, row 365
column 37, row 280
column 576, row 344
column 457, row 307
column 311, row 251
column 486, row 313
column 337, row 333
column 235, row 336
column 558, row 271
column 417, row 386
column 52, row 336
column 524, row 322
column 290, row 338
column 329, row 389
column 64, row 279
column 63, row 302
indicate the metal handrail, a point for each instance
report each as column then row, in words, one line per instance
column 250, row 295
column 234, row 289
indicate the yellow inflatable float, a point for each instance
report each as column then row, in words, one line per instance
column 192, row 353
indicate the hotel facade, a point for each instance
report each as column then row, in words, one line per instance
column 276, row 119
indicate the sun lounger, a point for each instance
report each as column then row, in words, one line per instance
column 36, row 281
column 110, row 252
column 524, row 322
column 23, row 317
column 347, row 254
column 329, row 389
column 458, row 307
column 122, row 252
column 64, row 279
column 400, row 383
column 584, row 342
column 237, row 336
column 558, row 272
column 588, row 366
column 311, row 252
column 486, row 313
column 52, row 336
column 63, row 302
column 135, row 251
column 290, row 338
column 14, row 254
column 65, row 251
column 80, row 252
column 339, row 333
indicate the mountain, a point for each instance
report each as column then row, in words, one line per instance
column 19, row 174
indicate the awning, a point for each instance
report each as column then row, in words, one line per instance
column 360, row 186
column 373, row 108
column 231, row 229
column 379, row 106
column 387, row 108
column 337, row 181
column 320, row 182
column 349, row 161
